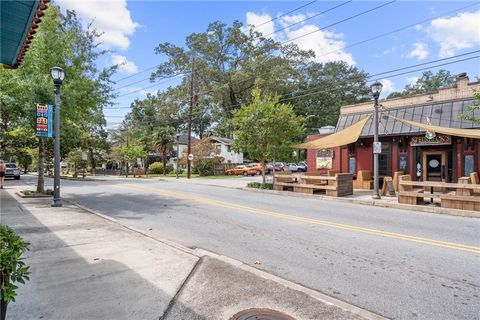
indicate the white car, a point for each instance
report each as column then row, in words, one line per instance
column 292, row 167
column 12, row 171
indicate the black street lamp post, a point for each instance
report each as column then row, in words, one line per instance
column 377, row 147
column 57, row 75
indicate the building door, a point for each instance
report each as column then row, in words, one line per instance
column 434, row 166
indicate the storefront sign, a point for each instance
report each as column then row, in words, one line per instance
column 439, row 139
column 325, row 159
column 44, row 122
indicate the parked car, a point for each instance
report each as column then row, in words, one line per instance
column 242, row 170
column 302, row 167
column 292, row 167
column 279, row 166
column 12, row 171
column 258, row 167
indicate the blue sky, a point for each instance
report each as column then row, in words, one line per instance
column 132, row 29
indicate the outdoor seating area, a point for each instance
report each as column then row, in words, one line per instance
column 333, row 184
column 459, row 195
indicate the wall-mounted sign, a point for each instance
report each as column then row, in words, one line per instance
column 324, row 159
column 439, row 139
column 377, row 148
column 44, row 122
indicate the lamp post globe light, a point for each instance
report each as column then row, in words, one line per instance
column 57, row 75
column 376, row 89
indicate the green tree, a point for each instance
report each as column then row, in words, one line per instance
column 229, row 63
column 332, row 85
column 471, row 110
column 130, row 155
column 164, row 138
column 265, row 129
column 62, row 41
column 428, row 82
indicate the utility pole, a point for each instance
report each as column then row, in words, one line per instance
column 192, row 98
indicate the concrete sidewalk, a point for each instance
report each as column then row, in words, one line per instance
column 84, row 266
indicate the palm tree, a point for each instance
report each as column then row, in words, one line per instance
column 163, row 139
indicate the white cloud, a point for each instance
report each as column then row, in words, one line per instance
column 110, row 17
column 125, row 65
column 266, row 26
column 385, row 52
column 411, row 80
column 286, row 21
column 326, row 45
column 420, row 51
column 456, row 33
column 388, row 86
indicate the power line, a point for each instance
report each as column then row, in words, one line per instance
column 276, row 31
column 286, row 13
column 398, row 30
column 172, row 76
column 271, row 20
column 425, row 63
column 340, row 21
column 316, row 90
column 331, row 25
column 308, row 18
column 153, row 85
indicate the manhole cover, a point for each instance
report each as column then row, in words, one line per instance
column 261, row 314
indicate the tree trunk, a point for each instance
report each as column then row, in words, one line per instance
column 164, row 160
column 263, row 171
column 41, row 165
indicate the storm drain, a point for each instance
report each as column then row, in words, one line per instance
column 261, row 314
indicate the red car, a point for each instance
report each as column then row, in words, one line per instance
column 242, row 170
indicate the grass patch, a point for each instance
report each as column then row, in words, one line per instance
column 259, row 185
column 34, row 194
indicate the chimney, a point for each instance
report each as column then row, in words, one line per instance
column 462, row 80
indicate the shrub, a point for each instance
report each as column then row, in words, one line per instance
column 157, row 168
column 12, row 267
column 259, row 185
column 205, row 167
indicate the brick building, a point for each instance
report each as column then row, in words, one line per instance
column 405, row 147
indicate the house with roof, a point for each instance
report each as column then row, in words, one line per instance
column 223, row 149
column 422, row 135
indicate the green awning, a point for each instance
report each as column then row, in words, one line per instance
column 18, row 20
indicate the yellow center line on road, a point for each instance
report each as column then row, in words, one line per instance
column 283, row 216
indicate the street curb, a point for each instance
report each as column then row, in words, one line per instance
column 372, row 203
column 199, row 253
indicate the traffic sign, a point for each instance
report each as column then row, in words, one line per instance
column 190, row 157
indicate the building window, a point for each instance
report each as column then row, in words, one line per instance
column 469, row 164
column 352, row 165
column 229, row 148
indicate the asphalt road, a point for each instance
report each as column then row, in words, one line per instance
column 400, row 264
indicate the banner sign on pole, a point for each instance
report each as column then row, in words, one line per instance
column 44, row 123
